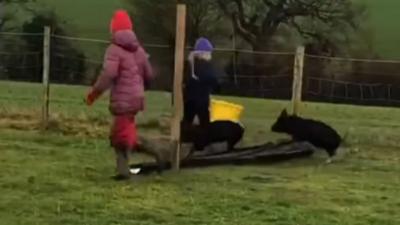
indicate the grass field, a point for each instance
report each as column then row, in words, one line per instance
column 62, row 176
column 91, row 19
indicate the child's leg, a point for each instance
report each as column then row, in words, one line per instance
column 203, row 112
column 123, row 137
column 189, row 112
column 122, row 163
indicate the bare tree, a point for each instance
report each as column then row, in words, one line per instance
column 203, row 19
column 157, row 18
column 256, row 21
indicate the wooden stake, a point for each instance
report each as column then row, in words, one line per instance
column 178, row 78
column 45, row 76
column 297, row 80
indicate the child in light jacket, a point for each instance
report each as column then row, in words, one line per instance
column 126, row 70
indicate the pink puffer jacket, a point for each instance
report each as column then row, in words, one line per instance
column 125, row 70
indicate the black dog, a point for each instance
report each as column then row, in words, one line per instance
column 215, row 132
column 316, row 133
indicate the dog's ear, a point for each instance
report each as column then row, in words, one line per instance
column 284, row 113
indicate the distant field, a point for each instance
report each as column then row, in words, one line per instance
column 90, row 18
column 384, row 21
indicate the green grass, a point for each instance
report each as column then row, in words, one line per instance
column 62, row 176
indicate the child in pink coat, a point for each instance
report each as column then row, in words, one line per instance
column 126, row 69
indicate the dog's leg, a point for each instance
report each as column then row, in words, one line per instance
column 187, row 151
column 146, row 148
column 334, row 155
column 329, row 160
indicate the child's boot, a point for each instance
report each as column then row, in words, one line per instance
column 122, row 161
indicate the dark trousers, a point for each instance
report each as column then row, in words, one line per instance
column 193, row 108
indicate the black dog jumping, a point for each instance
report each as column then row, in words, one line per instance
column 315, row 132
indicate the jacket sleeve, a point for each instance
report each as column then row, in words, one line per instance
column 187, row 73
column 110, row 70
column 214, row 84
column 145, row 66
column 208, row 75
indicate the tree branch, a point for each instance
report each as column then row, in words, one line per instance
column 246, row 16
column 274, row 16
column 269, row 3
column 302, row 31
column 238, row 20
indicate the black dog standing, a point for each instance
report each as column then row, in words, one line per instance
column 215, row 132
column 315, row 132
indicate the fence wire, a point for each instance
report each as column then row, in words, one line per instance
column 353, row 81
column 78, row 62
column 20, row 71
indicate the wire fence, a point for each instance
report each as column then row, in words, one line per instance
column 20, row 67
column 353, row 81
column 78, row 61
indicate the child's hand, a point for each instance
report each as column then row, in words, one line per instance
column 195, row 77
column 91, row 97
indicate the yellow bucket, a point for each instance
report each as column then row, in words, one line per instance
column 222, row 110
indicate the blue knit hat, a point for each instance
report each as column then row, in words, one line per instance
column 203, row 45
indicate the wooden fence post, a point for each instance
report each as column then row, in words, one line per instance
column 45, row 76
column 178, row 78
column 297, row 79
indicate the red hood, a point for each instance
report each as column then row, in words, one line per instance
column 126, row 39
